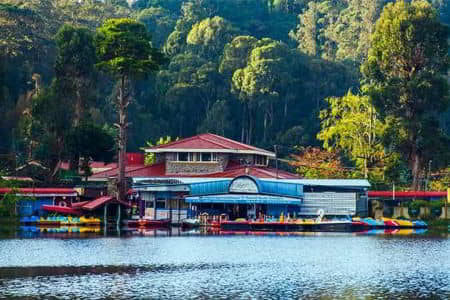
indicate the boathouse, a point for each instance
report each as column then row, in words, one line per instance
column 211, row 174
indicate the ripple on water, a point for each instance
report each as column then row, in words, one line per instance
column 318, row 267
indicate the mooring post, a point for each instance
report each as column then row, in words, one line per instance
column 118, row 217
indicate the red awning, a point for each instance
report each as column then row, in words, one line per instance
column 61, row 209
column 79, row 204
column 97, row 202
column 94, row 204
column 40, row 191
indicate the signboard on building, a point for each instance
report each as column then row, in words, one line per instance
column 243, row 185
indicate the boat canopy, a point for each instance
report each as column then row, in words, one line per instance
column 244, row 199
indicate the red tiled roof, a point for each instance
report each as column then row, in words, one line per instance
column 135, row 171
column 101, row 201
column 210, row 141
column 233, row 170
column 260, row 172
column 96, row 166
column 40, row 191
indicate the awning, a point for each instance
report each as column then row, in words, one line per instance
column 94, row 204
column 61, row 209
column 244, row 199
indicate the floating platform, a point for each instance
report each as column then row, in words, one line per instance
column 335, row 226
column 322, row 226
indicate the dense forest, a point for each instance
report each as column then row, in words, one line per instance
column 358, row 87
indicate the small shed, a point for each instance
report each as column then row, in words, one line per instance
column 32, row 199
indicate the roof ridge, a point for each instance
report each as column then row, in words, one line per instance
column 213, row 142
column 136, row 167
column 250, row 147
column 175, row 142
column 213, row 139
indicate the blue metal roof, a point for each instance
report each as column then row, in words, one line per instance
column 280, row 188
column 209, row 188
column 244, row 199
column 277, row 188
column 348, row 183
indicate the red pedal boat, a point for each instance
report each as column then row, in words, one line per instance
column 147, row 223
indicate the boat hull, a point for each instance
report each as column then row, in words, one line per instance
column 286, row 227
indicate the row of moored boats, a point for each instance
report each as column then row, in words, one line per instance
column 60, row 221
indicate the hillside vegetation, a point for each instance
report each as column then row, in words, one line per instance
column 362, row 79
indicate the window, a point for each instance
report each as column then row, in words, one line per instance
column 206, row 156
column 193, row 156
column 260, row 160
column 182, row 156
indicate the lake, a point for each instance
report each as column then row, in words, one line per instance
column 195, row 265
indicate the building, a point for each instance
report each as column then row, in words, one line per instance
column 31, row 200
column 211, row 174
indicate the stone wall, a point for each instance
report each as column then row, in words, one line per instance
column 173, row 167
column 400, row 211
column 190, row 167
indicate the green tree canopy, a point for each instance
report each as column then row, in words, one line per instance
column 404, row 74
column 74, row 65
column 124, row 51
column 352, row 125
column 212, row 34
column 159, row 21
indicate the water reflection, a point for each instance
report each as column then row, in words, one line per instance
column 92, row 232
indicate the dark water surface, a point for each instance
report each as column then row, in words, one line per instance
column 311, row 266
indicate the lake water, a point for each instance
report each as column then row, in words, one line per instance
column 180, row 265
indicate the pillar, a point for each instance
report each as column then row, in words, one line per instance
column 118, row 216
column 178, row 208
column 105, row 214
column 141, row 208
column 170, row 209
column 154, row 207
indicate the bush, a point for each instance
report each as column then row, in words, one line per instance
column 417, row 204
column 8, row 205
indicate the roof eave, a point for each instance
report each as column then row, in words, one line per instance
column 234, row 151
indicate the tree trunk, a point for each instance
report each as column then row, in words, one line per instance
column 78, row 108
column 366, row 172
column 243, row 126
column 285, row 112
column 122, row 140
column 415, row 169
column 250, row 127
column 74, row 163
column 265, row 127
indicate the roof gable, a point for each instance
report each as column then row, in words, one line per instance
column 208, row 142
